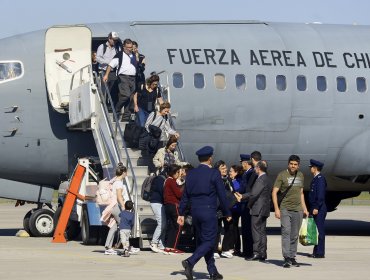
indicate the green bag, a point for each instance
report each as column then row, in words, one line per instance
column 308, row 234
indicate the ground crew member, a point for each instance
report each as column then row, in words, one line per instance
column 203, row 186
column 317, row 205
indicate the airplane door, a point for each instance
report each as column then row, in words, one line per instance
column 67, row 49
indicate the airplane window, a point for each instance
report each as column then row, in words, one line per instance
column 240, row 82
column 10, row 70
column 301, row 83
column 361, row 84
column 261, row 82
column 220, row 81
column 321, row 83
column 199, row 80
column 178, row 80
column 341, row 84
column 281, row 82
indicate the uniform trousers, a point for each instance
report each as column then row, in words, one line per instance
column 205, row 224
column 319, row 249
column 259, row 235
column 290, row 224
column 247, row 237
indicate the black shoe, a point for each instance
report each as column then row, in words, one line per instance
column 216, row 276
column 188, row 270
column 287, row 263
column 294, row 262
column 263, row 259
column 318, row 256
column 254, row 258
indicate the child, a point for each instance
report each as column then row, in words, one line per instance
column 126, row 224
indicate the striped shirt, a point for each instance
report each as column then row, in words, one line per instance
column 160, row 122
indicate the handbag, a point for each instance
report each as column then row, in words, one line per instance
column 155, row 131
column 231, row 199
column 281, row 195
column 132, row 134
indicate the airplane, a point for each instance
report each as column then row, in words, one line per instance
column 239, row 86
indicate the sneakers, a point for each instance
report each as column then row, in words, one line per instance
column 134, row 251
column 125, row 253
column 154, row 247
column 227, row 254
column 216, row 255
column 294, row 262
column 287, row 263
column 110, row 252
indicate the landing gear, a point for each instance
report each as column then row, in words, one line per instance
column 89, row 234
column 26, row 222
column 40, row 223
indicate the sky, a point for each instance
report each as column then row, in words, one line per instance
column 20, row 16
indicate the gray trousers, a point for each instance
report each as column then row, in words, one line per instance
column 290, row 224
column 110, row 237
column 127, row 87
column 259, row 236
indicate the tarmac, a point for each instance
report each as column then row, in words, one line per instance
column 347, row 255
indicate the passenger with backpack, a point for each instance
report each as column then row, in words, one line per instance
column 156, row 203
column 104, row 55
column 122, row 195
column 125, row 64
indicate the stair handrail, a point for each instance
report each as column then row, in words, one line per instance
column 118, row 129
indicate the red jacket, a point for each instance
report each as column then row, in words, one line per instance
column 172, row 192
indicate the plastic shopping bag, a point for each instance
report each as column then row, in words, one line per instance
column 308, row 234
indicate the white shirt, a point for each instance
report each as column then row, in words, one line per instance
column 126, row 68
column 104, row 58
column 119, row 185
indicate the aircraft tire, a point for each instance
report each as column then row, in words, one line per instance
column 73, row 228
column 42, row 223
column 89, row 234
column 26, row 222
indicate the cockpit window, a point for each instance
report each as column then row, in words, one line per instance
column 10, row 70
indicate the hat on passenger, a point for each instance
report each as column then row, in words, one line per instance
column 316, row 163
column 113, row 35
column 245, row 157
column 205, row 151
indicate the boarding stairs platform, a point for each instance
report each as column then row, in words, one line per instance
column 90, row 110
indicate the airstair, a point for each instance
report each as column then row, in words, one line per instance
column 90, row 109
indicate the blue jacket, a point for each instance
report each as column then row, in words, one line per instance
column 244, row 185
column 317, row 192
column 127, row 220
column 202, row 188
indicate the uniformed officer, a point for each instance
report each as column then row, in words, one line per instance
column 317, row 205
column 203, row 186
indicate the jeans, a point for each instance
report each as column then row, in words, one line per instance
column 115, row 213
column 142, row 116
column 290, row 224
column 160, row 230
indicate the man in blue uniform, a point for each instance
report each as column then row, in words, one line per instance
column 203, row 186
column 318, row 206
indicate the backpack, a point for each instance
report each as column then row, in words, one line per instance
column 146, row 187
column 104, row 193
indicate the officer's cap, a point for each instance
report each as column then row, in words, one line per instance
column 205, row 151
column 245, row 157
column 316, row 163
